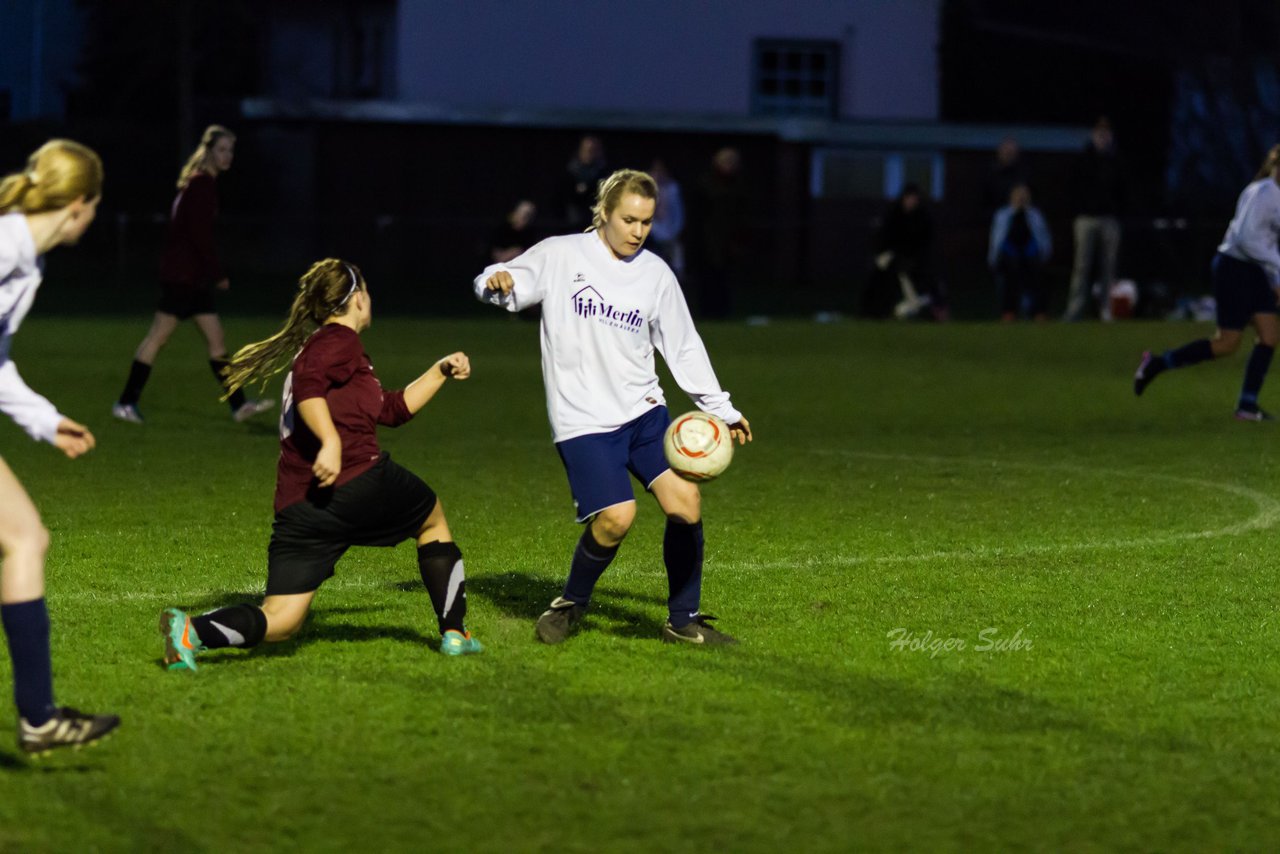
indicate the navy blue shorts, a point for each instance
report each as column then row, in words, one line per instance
column 1241, row 290
column 598, row 463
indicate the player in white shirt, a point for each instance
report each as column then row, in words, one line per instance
column 49, row 204
column 607, row 304
column 1246, row 285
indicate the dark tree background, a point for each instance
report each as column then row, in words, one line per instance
column 1190, row 87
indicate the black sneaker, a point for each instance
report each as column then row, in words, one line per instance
column 1148, row 369
column 558, row 621
column 1253, row 413
column 67, row 728
column 699, row 631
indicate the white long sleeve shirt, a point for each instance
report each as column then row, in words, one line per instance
column 20, row 276
column 602, row 318
column 1253, row 232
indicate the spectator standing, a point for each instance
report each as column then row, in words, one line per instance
column 1098, row 185
column 722, row 211
column 1008, row 170
column 582, row 176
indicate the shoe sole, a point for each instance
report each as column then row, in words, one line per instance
column 93, row 742
column 172, row 658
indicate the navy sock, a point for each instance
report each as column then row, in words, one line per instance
column 442, row 574
column 139, row 372
column 1189, row 354
column 237, row 397
column 239, row 625
column 1254, row 373
column 27, row 626
column 682, row 553
column 590, row 560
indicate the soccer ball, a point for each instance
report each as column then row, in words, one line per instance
column 698, row 446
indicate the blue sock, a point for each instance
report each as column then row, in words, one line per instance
column 590, row 560
column 27, row 626
column 682, row 553
column 1189, row 354
column 1254, row 373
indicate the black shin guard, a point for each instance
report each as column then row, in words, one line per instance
column 442, row 574
column 239, row 625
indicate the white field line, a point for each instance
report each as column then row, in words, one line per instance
column 1266, row 515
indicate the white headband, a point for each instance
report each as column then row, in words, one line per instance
column 355, row 283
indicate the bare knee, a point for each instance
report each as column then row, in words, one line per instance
column 30, row 540
column 687, row 507
column 1224, row 344
column 436, row 527
column 282, row 622
column 611, row 524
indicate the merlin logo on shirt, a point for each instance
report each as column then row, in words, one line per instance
column 588, row 303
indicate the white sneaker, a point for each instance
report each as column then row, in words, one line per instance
column 127, row 412
column 250, row 408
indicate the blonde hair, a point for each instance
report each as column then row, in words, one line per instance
column 323, row 292
column 617, row 185
column 199, row 159
column 58, row 173
column 1269, row 164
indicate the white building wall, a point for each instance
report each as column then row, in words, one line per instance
column 671, row 56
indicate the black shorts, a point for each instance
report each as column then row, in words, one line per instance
column 183, row 301
column 1242, row 290
column 382, row 507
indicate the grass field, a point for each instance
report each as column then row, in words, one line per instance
column 1108, row 564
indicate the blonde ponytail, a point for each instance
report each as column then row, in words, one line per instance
column 57, row 173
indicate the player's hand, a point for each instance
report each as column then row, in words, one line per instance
column 500, row 281
column 455, row 365
column 740, row 431
column 223, row 284
column 884, row 259
column 328, row 463
column 73, row 438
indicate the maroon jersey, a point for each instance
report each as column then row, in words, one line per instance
column 189, row 257
column 333, row 365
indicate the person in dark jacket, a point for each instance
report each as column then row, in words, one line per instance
column 1098, row 185
column 190, row 273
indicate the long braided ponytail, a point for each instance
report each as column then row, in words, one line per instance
column 323, row 291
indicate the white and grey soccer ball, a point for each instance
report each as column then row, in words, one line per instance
column 698, row 446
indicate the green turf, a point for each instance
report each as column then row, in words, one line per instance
column 961, row 482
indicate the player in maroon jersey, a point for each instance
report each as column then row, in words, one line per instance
column 334, row 487
column 190, row 273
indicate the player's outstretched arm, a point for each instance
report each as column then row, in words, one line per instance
column 328, row 464
column 455, row 365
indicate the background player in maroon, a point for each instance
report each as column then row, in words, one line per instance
column 334, row 487
column 189, row 274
